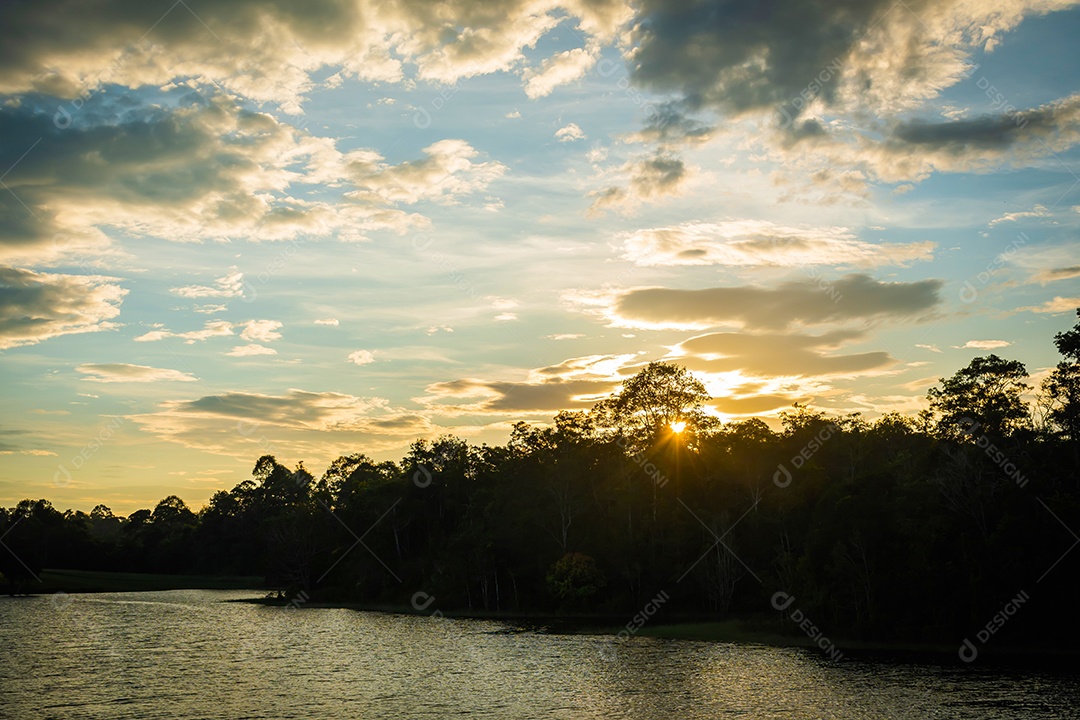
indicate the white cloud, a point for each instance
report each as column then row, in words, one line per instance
column 570, row 133
column 261, row 330
column 231, row 285
column 361, row 357
column 447, row 173
column 985, row 344
column 558, row 70
column 1039, row 211
column 759, row 242
column 328, row 321
column 212, row 328
column 367, row 39
column 250, row 350
column 126, row 372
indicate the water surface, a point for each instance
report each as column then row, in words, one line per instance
column 187, row 653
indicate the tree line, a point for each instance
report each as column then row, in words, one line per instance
column 908, row 527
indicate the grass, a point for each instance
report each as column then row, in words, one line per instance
column 53, row 580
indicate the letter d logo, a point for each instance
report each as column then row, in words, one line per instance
column 782, row 601
column 968, row 293
column 781, row 478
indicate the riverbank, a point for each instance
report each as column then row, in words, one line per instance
column 88, row 581
column 746, row 631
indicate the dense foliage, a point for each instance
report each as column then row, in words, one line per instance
column 914, row 528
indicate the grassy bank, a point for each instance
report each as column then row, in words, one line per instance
column 53, row 580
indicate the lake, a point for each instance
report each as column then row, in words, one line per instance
column 188, row 653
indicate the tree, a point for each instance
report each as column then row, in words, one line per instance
column 983, row 398
column 574, row 578
column 653, row 401
column 1062, row 387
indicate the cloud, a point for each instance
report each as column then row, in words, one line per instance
column 231, row 285
column 503, row 397
column 1057, row 305
column 328, row 321
column 1039, row 211
column 759, row 242
column 361, row 357
column 752, row 405
column 576, row 383
column 806, row 302
column 839, row 84
column 447, row 173
column 570, row 133
column 931, row 348
column 203, row 169
column 669, row 126
column 302, row 423
column 250, row 351
column 779, row 355
column 212, row 328
column 1055, row 274
column 654, row 177
column 565, row 336
column 36, row 306
column 801, row 54
column 126, row 372
column 985, row 344
column 558, row 70
column 261, row 330
column 67, row 49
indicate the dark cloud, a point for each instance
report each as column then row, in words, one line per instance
column 38, row 306
column 303, row 423
column 779, row 355
column 668, row 124
column 648, row 178
column 496, row 398
column 745, row 54
column 989, row 132
column 852, row 297
column 752, row 404
column 209, row 170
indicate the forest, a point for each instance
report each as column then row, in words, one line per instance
column 916, row 527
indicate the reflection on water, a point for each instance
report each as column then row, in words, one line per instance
column 187, row 654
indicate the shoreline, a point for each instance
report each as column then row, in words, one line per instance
column 739, row 631
column 736, row 631
column 97, row 581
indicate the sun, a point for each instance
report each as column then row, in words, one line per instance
column 678, row 426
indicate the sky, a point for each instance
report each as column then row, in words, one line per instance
column 332, row 227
